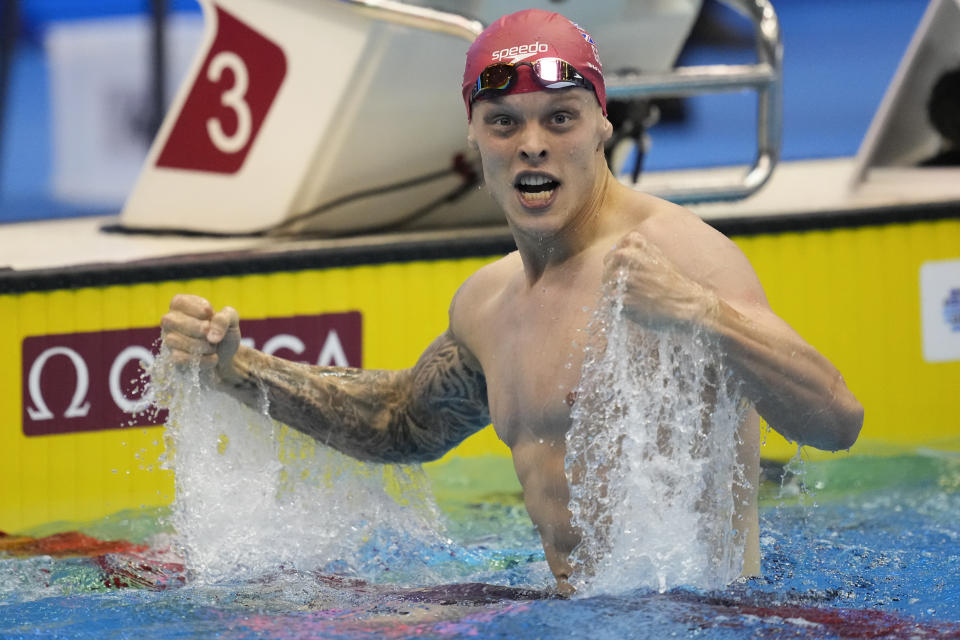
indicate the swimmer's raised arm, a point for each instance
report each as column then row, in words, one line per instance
column 411, row 415
column 793, row 386
column 707, row 281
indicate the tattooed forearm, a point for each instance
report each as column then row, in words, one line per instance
column 413, row 415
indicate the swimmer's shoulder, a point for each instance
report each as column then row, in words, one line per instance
column 675, row 229
column 700, row 251
column 654, row 215
column 486, row 284
column 478, row 295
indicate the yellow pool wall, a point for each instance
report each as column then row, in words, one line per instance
column 852, row 292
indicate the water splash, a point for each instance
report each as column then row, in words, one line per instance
column 253, row 498
column 651, row 459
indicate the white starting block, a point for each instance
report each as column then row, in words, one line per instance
column 344, row 116
column 304, row 107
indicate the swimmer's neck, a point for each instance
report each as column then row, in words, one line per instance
column 545, row 250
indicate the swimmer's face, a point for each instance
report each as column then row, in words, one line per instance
column 542, row 154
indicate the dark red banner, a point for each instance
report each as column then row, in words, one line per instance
column 93, row 381
column 228, row 101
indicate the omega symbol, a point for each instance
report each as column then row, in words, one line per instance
column 78, row 408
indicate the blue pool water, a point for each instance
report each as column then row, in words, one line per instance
column 870, row 549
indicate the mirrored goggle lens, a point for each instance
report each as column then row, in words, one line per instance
column 496, row 77
column 555, row 73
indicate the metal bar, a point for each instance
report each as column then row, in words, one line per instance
column 158, row 64
column 764, row 77
column 9, row 27
column 420, row 17
column 692, row 80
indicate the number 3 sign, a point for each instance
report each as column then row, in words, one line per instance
column 228, row 102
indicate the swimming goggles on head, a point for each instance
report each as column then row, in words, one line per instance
column 552, row 73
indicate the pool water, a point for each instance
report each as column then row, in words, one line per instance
column 852, row 547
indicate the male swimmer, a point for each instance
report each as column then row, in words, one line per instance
column 536, row 104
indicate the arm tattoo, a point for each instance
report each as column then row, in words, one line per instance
column 413, row 415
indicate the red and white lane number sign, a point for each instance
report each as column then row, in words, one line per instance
column 228, row 102
column 93, row 381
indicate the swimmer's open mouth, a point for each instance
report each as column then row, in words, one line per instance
column 535, row 188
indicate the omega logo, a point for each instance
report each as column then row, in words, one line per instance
column 94, row 381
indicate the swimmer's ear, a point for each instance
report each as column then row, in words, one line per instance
column 606, row 132
column 471, row 141
column 607, row 129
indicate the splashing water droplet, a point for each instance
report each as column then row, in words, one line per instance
column 254, row 498
column 651, row 459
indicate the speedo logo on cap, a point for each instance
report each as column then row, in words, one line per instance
column 521, row 51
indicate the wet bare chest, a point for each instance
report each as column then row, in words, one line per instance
column 532, row 365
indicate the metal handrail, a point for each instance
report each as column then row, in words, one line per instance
column 764, row 77
column 420, row 17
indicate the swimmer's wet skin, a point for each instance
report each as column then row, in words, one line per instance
column 540, row 126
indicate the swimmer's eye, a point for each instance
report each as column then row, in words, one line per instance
column 561, row 118
column 502, row 121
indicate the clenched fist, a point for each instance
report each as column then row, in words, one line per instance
column 655, row 292
column 192, row 332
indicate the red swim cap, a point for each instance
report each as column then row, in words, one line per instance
column 530, row 35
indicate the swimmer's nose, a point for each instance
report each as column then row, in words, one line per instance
column 533, row 145
column 534, row 154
